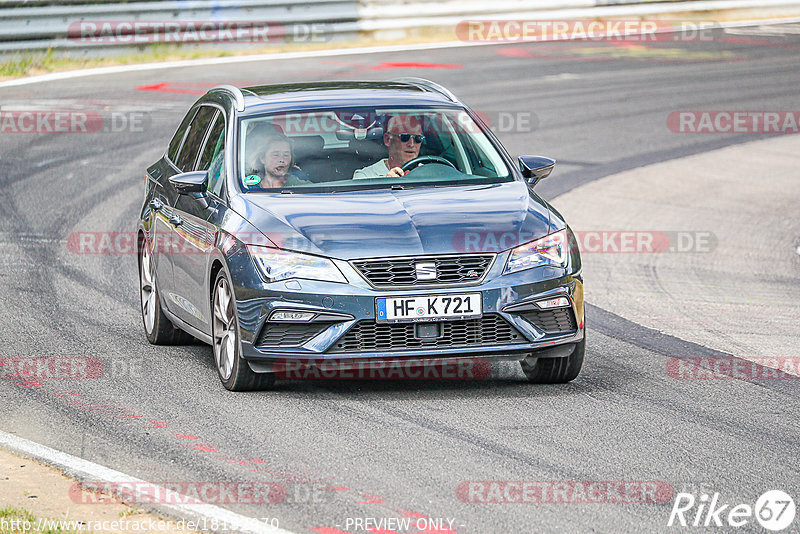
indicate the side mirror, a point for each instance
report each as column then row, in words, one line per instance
column 534, row 168
column 190, row 182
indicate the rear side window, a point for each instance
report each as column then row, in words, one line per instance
column 194, row 139
column 175, row 144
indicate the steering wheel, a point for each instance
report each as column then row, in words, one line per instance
column 416, row 162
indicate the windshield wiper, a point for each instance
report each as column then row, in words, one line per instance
column 397, row 187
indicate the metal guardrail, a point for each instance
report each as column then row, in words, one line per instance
column 58, row 26
column 28, row 25
column 378, row 15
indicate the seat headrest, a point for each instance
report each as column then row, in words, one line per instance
column 368, row 149
column 307, row 145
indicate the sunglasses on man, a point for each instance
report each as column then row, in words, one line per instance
column 404, row 137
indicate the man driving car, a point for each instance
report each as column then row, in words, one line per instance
column 403, row 138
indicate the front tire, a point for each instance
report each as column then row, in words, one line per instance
column 233, row 371
column 157, row 327
column 556, row 370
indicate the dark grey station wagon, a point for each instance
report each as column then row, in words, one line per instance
column 354, row 224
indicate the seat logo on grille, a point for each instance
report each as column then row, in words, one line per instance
column 426, row 271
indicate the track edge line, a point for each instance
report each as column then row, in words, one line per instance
column 84, row 470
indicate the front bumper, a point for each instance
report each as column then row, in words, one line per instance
column 349, row 307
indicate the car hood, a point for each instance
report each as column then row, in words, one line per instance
column 416, row 221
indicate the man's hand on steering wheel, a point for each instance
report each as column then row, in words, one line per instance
column 416, row 162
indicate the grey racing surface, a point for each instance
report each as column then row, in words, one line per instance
column 351, row 450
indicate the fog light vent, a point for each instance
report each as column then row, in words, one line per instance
column 294, row 316
column 558, row 302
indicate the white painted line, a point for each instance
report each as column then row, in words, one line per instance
column 67, row 75
column 91, row 472
column 798, row 250
column 235, row 59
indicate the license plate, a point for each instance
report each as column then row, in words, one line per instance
column 428, row 308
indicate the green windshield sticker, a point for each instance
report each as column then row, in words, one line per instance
column 252, row 179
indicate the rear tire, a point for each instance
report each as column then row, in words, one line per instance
column 556, row 370
column 233, row 371
column 157, row 327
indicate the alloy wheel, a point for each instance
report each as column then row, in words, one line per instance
column 148, row 291
column 224, row 329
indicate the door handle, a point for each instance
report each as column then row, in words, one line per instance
column 155, row 204
column 175, row 220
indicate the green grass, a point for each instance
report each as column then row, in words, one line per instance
column 129, row 512
column 20, row 66
column 10, row 514
column 31, row 63
column 28, row 64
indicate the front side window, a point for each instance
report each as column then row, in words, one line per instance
column 194, row 139
column 358, row 148
column 213, row 157
column 177, row 139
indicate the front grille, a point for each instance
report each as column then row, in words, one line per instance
column 556, row 321
column 392, row 272
column 279, row 335
column 369, row 336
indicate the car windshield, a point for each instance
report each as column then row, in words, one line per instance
column 359, row 148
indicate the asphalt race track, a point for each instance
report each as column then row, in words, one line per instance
column 358, row 449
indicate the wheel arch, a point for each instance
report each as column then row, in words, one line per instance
column 216, row 267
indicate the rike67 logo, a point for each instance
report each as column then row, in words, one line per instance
column 774, row 510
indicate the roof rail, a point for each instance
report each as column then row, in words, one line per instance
column 234, row 91
column 427, row 84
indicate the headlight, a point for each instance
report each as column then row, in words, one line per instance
column 549, row 250
column 277, row 265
